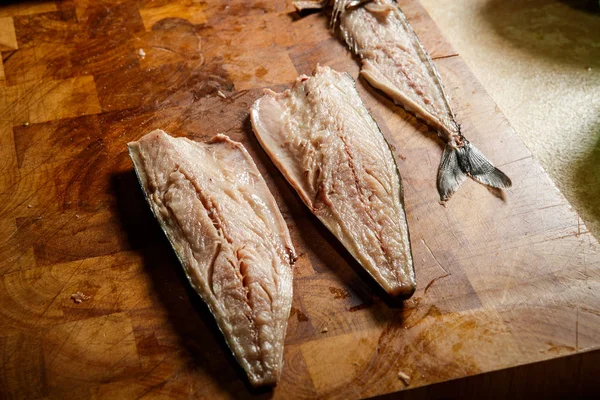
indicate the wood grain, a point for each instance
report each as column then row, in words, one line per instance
column 504, row 280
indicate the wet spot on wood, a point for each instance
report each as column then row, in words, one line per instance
column 359, row 307
column 557, row 348
column 261, row 71
column 299, row 315
column 339, row 293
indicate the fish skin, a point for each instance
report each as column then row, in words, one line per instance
column 230, row 237
column 324, row 141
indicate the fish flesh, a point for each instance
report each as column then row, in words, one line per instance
column 395, row 62
column 230, row 237
column 324, row 141
column 310, row 5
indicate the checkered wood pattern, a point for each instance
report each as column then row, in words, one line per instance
column 503, row 279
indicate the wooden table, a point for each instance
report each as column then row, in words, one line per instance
column 504, row 280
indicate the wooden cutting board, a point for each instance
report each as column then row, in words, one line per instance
column 504, row 279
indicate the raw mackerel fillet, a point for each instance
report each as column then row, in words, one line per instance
column 230, row 237
column 324, row 141
column 394, row 61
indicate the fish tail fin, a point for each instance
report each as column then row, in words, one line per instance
column 459, row 162
column 450, row 173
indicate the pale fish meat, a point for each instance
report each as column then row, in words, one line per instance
column 324, row 141
column 395, row 61
column 230, row 237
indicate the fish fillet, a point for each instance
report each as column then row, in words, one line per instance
column 324, row 141
column 230, row 238
column 395, row 62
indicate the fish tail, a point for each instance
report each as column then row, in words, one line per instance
column 459, row 162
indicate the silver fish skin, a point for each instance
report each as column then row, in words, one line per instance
column 230, row 237
column 324, row 141
column 395, row 62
